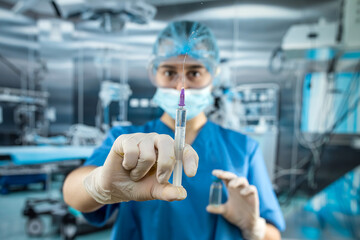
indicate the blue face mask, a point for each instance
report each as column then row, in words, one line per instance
column 196, row 100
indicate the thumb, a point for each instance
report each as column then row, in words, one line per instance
column 216, row 209
column 168, row 192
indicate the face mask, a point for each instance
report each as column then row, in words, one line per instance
column 196, row 100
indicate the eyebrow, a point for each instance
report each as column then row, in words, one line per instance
column 195, row 66
column 167, row 66
column 186, row 67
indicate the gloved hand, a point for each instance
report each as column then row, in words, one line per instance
column 242, row 206
column 138, row 168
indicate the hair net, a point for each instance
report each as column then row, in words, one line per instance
column 187, row 38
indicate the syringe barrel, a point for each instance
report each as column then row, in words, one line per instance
column 180, row 120
column 177, row 173
column 180, row 124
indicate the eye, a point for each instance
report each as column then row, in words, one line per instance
column 194, row 74
column 169, row 73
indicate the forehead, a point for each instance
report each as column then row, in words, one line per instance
column 179, row 61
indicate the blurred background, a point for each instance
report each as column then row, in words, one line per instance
column 70, row 70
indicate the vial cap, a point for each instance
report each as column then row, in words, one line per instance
column 216, row 179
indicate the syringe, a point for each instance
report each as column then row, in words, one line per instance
column 180, row 124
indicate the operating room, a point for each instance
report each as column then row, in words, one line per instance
column 180, row 119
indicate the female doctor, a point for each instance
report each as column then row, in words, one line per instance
column 132, row 169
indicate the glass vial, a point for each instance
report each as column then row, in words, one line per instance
column 215, row 192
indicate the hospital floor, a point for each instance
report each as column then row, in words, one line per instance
column 13, row 223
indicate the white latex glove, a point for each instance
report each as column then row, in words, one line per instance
column 138, row 168
column 242, row 206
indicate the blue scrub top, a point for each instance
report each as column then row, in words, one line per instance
column 218, row 148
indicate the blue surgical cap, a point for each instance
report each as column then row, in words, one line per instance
column 191, row 38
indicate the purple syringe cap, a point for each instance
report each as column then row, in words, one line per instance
column 182, row 98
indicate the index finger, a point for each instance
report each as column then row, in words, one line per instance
column 224, row 175
column 190, row 160
column 166, row 157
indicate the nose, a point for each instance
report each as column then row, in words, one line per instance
column 179, row 82
column 179, row 85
